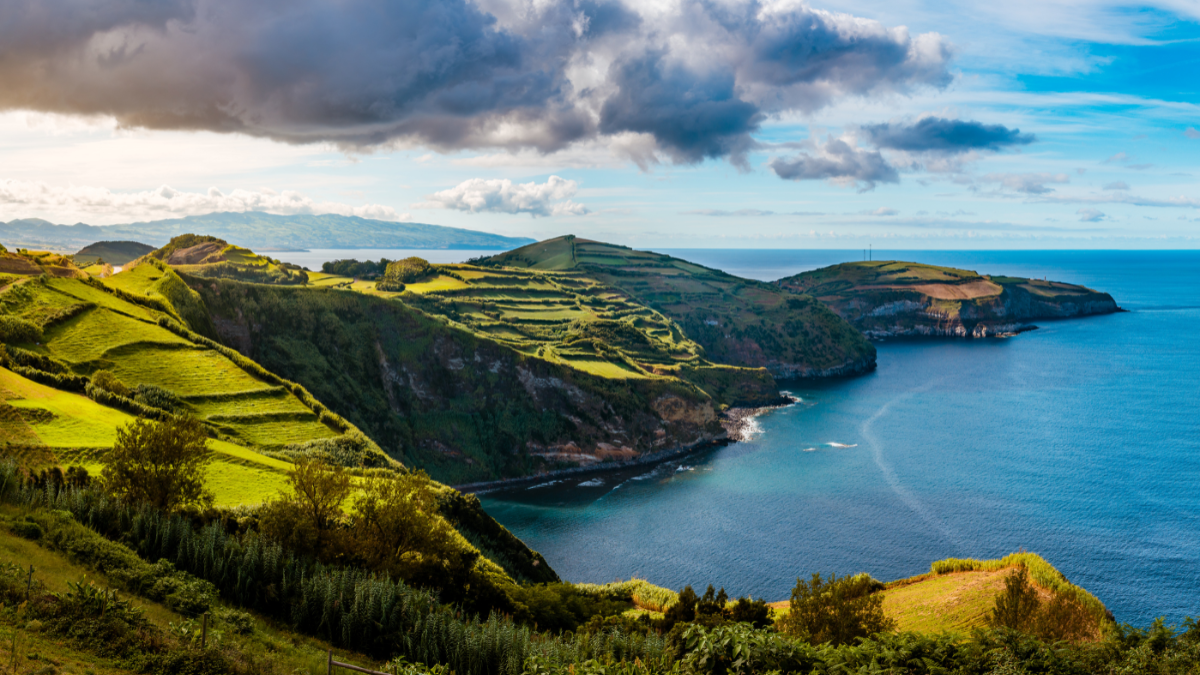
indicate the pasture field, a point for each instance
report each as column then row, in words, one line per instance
column 79, row 431
column 954, row 602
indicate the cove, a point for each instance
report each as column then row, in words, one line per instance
column 1079, row 441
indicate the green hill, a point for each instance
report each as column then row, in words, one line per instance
column 260, row 231
column 892, row 298
column 111, row 252
column 737, row 321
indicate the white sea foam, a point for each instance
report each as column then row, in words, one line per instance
column 595, row 482
column 841, row 445
column 809, row 450
column 542, row 485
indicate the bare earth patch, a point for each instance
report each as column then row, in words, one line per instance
column 967, row 291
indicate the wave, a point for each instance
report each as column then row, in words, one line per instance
column 595, row 482
column 809, row 450
column 841, row 445
column 542, row 485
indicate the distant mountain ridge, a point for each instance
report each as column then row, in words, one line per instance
column 260, row 231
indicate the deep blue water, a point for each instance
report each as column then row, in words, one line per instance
column 1079, row 441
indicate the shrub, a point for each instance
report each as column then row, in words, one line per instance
column 159, row 463
column 15, row 329
column 1017, row 605
column 836, row 610
column 157, row 397
column 105, row 380
column 27, row 529
column 403, row 272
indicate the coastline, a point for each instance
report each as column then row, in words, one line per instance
column 737, row 422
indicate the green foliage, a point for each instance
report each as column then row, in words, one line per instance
column 1017, row 605
column 1019, row 608
column 104, row 379
column 408, row 270
column 157, row 397
column 159, row 463
column 561, row 607
column 26, row 529
column 16, row 329
column 348, row 451
column 354, row 268
column 837, row 610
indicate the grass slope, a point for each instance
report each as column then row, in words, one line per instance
column 737, row 321
column 890, row 297
column 79, row 431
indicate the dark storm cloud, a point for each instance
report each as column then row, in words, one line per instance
column 840, row 162
column 453, row 74
column 936, row 134
column 692, row 118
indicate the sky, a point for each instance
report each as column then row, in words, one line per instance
column 1057, row 124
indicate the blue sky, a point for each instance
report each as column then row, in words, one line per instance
column 902, row 124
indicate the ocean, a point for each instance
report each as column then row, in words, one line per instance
column 1079, row 441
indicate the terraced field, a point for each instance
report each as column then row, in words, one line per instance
column 87, row 328
column 79, row 431
column 736, row 321
column 563, row 317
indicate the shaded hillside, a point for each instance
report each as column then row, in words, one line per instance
column 890, row 298
column 111, row 252
column 737, row 321
column 441, row 398
column 262, row 231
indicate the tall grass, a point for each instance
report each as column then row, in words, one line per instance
column 638, row 591
column 351, row 607
column 1042, row 572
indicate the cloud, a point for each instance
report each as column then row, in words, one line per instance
column 881, row 211
column 1191, row 132
column 936, row 134
column 840, row 163
column 1117, row 185
column 1028, row 183
column 719, row 213
column 1119, row 157
column 1090, row 215
column 24, row 197
column 481, row 195
column 696, row 77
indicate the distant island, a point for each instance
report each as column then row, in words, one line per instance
column 261, row 231
column 892, row 298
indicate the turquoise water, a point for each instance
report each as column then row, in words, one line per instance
column 1079, row 441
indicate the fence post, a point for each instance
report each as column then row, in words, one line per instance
column 29, row 583
column 204, row 631
column 329, row 664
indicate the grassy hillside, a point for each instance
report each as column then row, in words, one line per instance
column 737, row 321
column 216, row 258
column 440, row 397
column 261, row 231
column 111, row 252
column 885, row 298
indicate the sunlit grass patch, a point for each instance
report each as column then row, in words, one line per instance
column 185, row 371
column 89, row 335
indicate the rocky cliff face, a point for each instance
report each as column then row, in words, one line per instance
column 1008, row 313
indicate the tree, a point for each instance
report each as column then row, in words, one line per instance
column 320, row 491
column 836, row 610
column 308, row 519
column 1017, row 605
column 159, row 463
column 397, row 528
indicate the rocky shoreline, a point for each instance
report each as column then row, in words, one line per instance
column 738, row 424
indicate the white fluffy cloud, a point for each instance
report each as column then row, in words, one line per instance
column 482, row 195
column 100, row 205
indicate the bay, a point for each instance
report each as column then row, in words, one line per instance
column 1079, row 441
